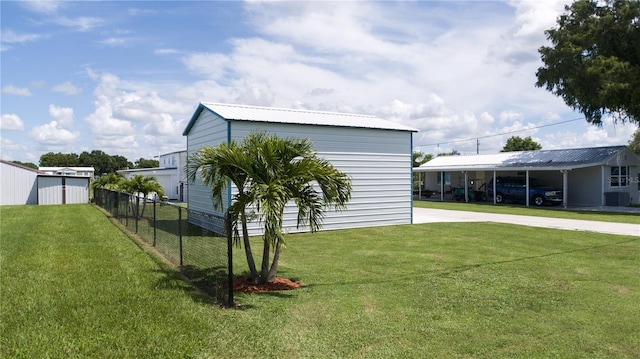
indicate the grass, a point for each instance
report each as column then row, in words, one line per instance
column 73, row 285
column 547, row 211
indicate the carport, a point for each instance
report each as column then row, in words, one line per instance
column 587, row 176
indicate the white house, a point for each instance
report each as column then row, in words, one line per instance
column 68, row 171
column 23, row 185
column 376, row 153
column 170, row 174
column 596, row 176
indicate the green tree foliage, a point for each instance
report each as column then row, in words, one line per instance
column 594, row 60
column 59, row 160
column 270, row 172
column 144, row 163
column 110, row 181
column 516, row 143
column 634, row 143
column 143, row 186
column 26, row 164
column 99, row 160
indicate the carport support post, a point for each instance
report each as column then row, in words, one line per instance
column 466, row 186
column 565, row 184
column 493, row 183
column 442, row 186
column 526, row 189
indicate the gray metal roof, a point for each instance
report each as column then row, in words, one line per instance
column 542, row 159
column 295, row 116
column 568, row 157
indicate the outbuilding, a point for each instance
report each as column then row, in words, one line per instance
column 375, row 153
column 23, row 185
column 596, row 176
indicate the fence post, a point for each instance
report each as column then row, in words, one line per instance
column 137, row 214
column 180, row 232
column 227, row 228
column 154, row 224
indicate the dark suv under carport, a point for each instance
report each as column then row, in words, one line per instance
column 514, row 189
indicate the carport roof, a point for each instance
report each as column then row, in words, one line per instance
column 524, row 160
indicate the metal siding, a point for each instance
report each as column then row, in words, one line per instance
column 207, row 130
column 49, row 190
column 18, row 185
column 585, row 187
column 377, row 161
column 77, row 190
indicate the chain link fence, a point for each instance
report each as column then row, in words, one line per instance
column 203, row 255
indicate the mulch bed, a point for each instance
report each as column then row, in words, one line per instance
column 244, row 284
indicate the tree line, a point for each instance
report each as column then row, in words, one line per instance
column 102, row 162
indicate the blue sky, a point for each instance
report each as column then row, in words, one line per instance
column 125, row 77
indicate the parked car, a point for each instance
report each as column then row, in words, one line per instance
column 514, row 188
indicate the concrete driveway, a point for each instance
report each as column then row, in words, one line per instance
column 428, row 215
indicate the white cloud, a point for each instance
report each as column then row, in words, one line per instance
column 53, row 135
column 19, row 91
column 114, row 41
column 165, row 51
column 82, row 24
column 63, row 115
column 11, row 122
column 45, row 7
column 12, row 37
column 67, row 88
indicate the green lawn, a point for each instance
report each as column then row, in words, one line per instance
column 546, row 211
column 73, row 285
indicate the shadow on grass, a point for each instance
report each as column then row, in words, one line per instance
column 203, row 285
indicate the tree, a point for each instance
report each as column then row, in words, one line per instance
column 143, row 186
column 634, row 143
column 271, row 172
column 144, row 163
column 59, row 160
column 594, row 60
column 26, row 164
column 515, row 143
column 110, row 181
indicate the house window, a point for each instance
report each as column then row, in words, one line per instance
column 619, row 176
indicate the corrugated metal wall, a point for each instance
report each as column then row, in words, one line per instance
column 62, row 190
column 209, row 130
column 18, row 185
column 378, row 161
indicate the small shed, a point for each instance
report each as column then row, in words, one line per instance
column 63, row 189
column 375, row 153
column 595, row 176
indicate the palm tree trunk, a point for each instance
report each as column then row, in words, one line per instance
column 247, row 248
column 274, row 265
column 264, row 270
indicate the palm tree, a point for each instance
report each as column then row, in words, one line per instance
column 274, row 172
column 216, row 167
column 143, row 185
column 110, row 181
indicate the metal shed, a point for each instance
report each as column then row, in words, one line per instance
column 594, row 176
column 17, row 184
column 376, row 153
column 63, row 190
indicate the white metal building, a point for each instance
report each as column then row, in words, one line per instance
column 63, row 189
column 170, row 174
column 69, row 171
column 18, row 184
column 23, row 185
column 596, row 176
column 376, row 153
